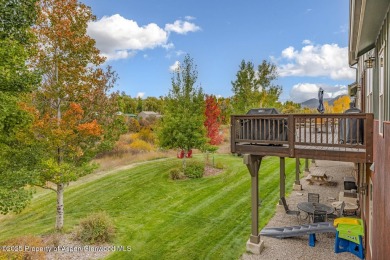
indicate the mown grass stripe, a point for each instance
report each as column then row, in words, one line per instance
column 164, row 219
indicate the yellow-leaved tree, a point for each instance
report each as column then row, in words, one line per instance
column 341, row 104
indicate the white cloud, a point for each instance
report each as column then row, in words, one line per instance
column 189, row 18
column 305, row 91
column 174, row 54
column 306, row 42
column 180, row 53
column 168, row 46
column 181, row 27
column 175, row 66
column 289, row 53
column 337, row 91
column 316, row 60
column 120, row 38
column 140, row 94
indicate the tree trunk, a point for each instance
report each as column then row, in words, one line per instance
column 60, row 206
column 184, row 161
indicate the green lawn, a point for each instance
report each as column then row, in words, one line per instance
column 206, row 218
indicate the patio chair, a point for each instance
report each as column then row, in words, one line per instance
column 313, row 197
column 339, row 213
column 320, row 216
column 288, row 211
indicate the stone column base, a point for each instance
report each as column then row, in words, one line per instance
column 297, row 186
column 254, row 248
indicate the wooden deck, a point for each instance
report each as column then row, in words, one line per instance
column 338, row 137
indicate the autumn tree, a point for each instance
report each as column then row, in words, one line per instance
column 153, row 104
column 74, row 116
column 182, row 125
column 17, row 154
column 341, row 104
column 226, row 109
column 328, row 108
column 255, row 88
column 212, row 124
column 127, row 104
column 289, row 107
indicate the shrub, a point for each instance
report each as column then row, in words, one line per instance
column 141, row 145
column 54, row 239
column 149, row 122
column 96, row 228
column 146, row 135
column 133, row 137
column 219, row 165
column 19, row 251
column 194, row 169
column 133, row 125
column 176, row 174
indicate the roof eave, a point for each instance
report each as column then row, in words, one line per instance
column 364, row 26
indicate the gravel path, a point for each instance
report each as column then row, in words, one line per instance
column 297, row 247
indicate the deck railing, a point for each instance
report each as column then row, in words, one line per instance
column 333, row 132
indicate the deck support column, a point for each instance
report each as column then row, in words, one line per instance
column 282, row 188
column 307, row 171
column 297, row 184
column 254, row 244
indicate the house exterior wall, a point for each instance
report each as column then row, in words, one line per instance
column 371, row 98
column 381, row 194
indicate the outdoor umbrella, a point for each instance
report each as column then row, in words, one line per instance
column 321, row 108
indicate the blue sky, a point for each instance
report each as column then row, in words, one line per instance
column 144, row 39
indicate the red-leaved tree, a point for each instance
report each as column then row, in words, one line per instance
column 212, row 123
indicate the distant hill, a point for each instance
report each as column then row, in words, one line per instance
column 313, row 103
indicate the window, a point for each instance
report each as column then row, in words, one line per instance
column 381, row 90
column 368, row 84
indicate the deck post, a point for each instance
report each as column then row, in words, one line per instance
column 291, row 135
column 232, row 134
column 297, row 184
column 307, row 166
column 254, row 244
column 313, row 161
column 282, row 188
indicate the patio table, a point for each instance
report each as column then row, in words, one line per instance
column 320, row 178
column 309, row 207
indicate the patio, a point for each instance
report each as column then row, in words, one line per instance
column 297, row 247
